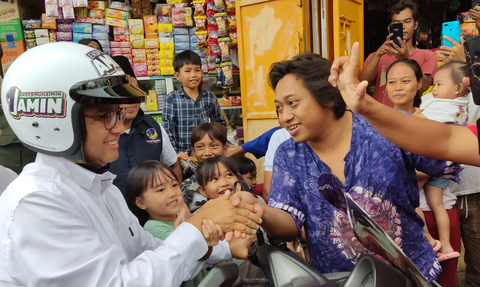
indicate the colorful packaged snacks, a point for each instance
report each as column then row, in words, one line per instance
column 30, row 43
column 213, row 31
column 105, row 44
column 219, row 5
column 221, row 19
column 96, row 28
column 233, row 40
column 224, row 48
column 211, row 18
column 138, row 53
column 201, row 24
column 166, row 62
column 140, row 69
column 48, row 23
column 214, row 47
column 210, row 5
column 231, row 22
column 154, row 73
column 100, row 5
column 52, row 36
column 166, row 71
column 80, row 3
column 182, row 46
column 136, row 26
column 191, row 31
column 180, row 31
column 63, row 3
column 85, row 28
column 112, row 13
column 201, row 53
column 79, row 36
column 166, row 39
column 163, row 10
column 165, row 28
column 100, row 36
column 164, row 20
column 151, row 26
column 181, row 38
column 167, row 47
column 29, row 34
column 153, row 56
column 31, row 24
column 165, row 55
column 96, row 14
column 116, row 22
column 151, row 43
column 211, row 62
column 202, row 39
column 51, row 10
column 199, row 8
column 137, row 41
column 153, row 67
column 230, row 5
column 153, row 62
column 227, row 69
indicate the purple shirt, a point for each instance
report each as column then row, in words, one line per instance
column 379, row 176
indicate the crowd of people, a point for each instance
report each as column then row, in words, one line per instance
column 106, row 202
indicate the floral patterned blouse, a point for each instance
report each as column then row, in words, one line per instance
column 379, row 176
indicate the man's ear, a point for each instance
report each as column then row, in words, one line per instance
column 416, row 26
column 202, row 191
column 177, row 75
column 140, row 203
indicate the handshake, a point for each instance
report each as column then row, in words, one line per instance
column 233, row 217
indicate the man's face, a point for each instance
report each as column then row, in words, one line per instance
column 132, row 111
column 409, row 25
column 101, row 144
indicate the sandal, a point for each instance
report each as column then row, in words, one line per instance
column 444, row 257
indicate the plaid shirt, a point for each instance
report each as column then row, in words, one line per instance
column 181, row 114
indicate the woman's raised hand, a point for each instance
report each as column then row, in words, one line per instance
column 344, row 76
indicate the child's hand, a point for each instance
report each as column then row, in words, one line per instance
column 211, row 232
column 183, row 214
column 183, row 156
column 239, row 247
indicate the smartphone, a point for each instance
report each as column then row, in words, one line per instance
column 397, row 30
column 472, row 54
column 452, row 30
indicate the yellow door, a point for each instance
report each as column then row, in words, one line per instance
column 347, row 16
column 268, row 31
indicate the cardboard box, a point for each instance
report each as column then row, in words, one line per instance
column 151, row 43
column 167, row 71
column 118, row 14
column 11, row 51
column 166, row 55
column 138, row 53
column 96, row 5
column 41, row 33
column 11, row 27
column 79, row 36
column 116, row 22
column 136, row 26
column 85, row 28
column 151, row 26
column 137, row 41
column 41, row 41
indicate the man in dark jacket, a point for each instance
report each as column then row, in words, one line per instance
column 144, row 139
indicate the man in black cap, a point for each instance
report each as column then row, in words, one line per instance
column 144, row 139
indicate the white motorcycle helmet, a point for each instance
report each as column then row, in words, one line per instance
column 45, row 89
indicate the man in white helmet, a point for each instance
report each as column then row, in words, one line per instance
column 62, row 222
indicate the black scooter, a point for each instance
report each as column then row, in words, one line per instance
column 283, row 268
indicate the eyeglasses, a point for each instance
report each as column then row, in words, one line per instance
column 367, row 231
column 110, row 119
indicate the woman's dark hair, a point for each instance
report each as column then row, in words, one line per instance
column 185, row 58
column 412, row 64
column 245, row 165
column 459, row 71
column 209, row 167
column 402, row 5
column 314, row 72
column 142, row 177
column 87, row 41
column 214, row 130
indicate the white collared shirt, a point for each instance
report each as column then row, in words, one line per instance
column 62, row 225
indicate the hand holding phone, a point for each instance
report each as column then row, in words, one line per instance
column 452, row 30
column 396, row 29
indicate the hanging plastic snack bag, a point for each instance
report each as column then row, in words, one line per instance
column 224, row 48
column 230, row 5
column 211, row 18
column 199, row 8
column 220, row 77
column 232, row 22
column 202, row 39
column 219, row 5
column 201, row 24
column 211, row 62
column 52, row 36
column 214, row 47
column 63, row 3
column 221, row 19
column 210, row 5
column 227, row 69
column 68, row 13
column 213, row 31
column 233, row 39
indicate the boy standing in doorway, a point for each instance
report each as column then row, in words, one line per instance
column 377, row 63
column 186, row 108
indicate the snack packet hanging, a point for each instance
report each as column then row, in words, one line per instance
column 214, row 47
column 219, row 5
column 202, row 38
column 211, row 62
column 213, row 31
column 221, row 19
column 210, row 5
column 230, row 5
column 233, row 40
column 201, row 24
column 224, row 49
column 220, row 77
column 227, row 69
column 199, row 8
column 231, row 22
column 211, row 18
column 51, row 10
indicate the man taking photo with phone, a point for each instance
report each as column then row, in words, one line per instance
column 377, row 63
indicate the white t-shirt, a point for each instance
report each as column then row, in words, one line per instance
column 473, row 109
column 446, row 110
column 169, row 156
column 278, row 137
column 6, row 177
column 470, row 182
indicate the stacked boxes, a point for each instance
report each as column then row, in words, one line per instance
column 82, row 31
column 100, row 33
column 11, row 36
column 64, row 31
column 30, row 32
column 116, row 18
column 153, row 62
column 140, row 62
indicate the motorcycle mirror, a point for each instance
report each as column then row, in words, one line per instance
column 367, row 231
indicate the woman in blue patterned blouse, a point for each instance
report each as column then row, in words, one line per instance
column 327, row 138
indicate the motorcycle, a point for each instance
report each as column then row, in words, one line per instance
column 283, row 268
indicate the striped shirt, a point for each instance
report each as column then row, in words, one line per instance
column 181, row 114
